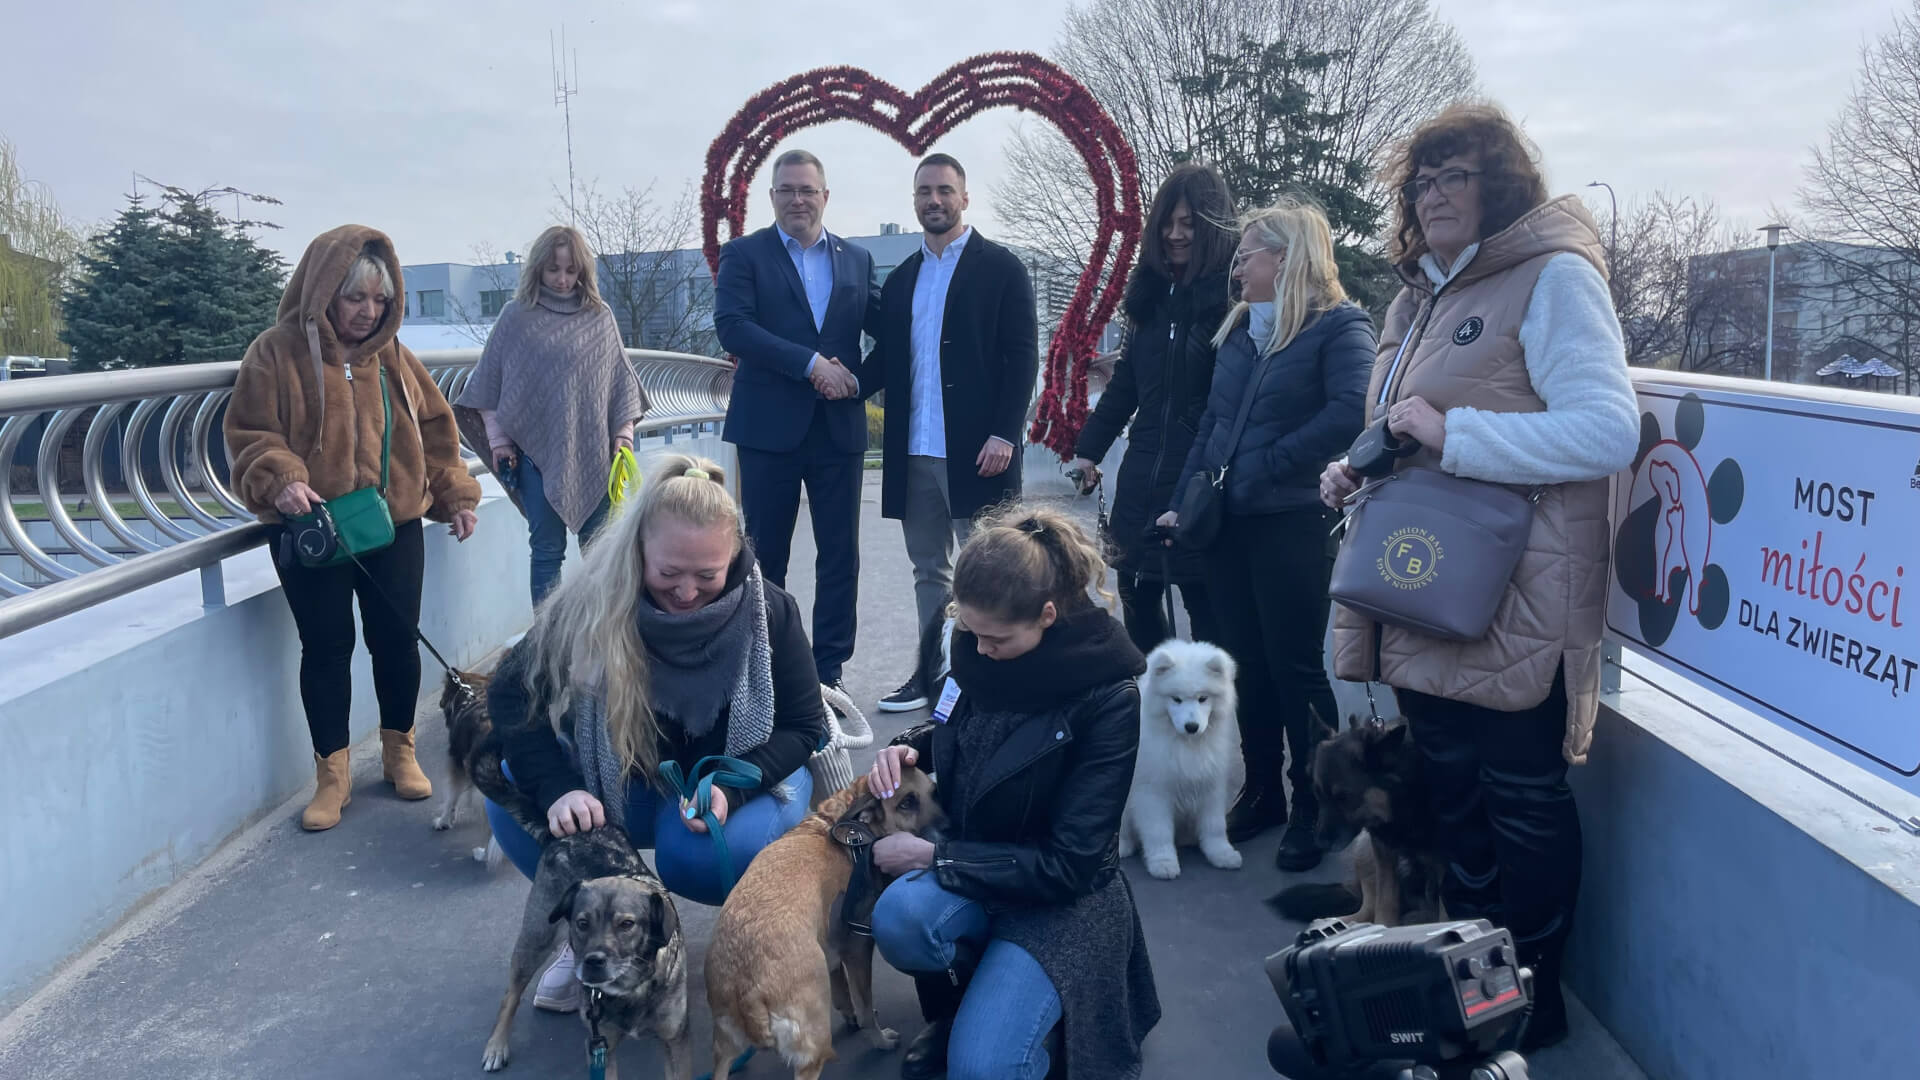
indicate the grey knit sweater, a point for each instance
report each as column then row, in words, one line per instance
column 557, row 382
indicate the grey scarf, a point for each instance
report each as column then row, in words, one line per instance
column 719, row 656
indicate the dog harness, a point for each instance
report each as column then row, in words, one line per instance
column 857, row 837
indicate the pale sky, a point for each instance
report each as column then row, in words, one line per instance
column 434, row 120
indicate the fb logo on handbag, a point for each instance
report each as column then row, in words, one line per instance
column 1411, row 559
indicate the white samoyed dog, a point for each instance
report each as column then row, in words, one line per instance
column 1189, row 764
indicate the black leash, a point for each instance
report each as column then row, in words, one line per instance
column 462, row 686
column 1166, row 592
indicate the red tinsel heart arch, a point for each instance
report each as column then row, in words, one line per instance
column 916, row 121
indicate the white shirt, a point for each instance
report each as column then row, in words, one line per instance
column 926, row 416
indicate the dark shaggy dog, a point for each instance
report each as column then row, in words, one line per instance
column 1370, row 783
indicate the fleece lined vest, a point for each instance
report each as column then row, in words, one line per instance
column 1462, row 349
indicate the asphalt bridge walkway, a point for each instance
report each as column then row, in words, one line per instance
column 379, row 949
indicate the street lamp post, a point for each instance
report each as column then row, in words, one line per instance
column 1773, row 249
column 1613, row 252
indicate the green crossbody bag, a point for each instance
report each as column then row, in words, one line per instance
column 357, row 523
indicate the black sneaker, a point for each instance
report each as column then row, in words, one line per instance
column 909, row 697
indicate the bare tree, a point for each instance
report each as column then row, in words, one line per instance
column 496, row 278
column 39, row 249
column 30, row 216
column 657, row 285
column 1397, row 63
column 1652, row 272
column 1862, row 193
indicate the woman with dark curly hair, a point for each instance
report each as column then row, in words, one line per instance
column 1502, row 356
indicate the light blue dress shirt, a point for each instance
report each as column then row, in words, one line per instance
column 927, row 418
column 815, row 267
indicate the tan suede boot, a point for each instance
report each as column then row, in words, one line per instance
column 398, row 766
column 333, row 789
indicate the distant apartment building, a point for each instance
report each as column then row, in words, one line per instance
column 661, row 299
column 1837, row 308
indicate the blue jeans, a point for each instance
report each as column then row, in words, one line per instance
column 687, row 862
column 1009, row 1006
column 546, row 532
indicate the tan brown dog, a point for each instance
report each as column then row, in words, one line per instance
column 783, row 957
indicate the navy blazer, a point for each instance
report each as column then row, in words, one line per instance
column 761, row 315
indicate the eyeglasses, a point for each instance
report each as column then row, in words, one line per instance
column 803, row 192
column 1451, row 182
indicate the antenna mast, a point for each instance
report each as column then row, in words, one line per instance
column 565, row 86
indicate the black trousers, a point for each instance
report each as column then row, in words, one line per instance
column 1143, row 608
column 1267, row 575
column 322, row 604
column 1498, row 791
column 770, row 497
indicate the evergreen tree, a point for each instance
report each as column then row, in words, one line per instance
column 1256, row 120
column 177, row 284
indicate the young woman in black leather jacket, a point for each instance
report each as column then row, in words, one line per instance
column 1021, row 921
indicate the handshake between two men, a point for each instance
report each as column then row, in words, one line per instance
column 832, row 380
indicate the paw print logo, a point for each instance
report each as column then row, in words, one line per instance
column 1664, row 548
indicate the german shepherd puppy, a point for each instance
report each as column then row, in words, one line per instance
column 626, row 935
column 784, row 957
column 1370, row 783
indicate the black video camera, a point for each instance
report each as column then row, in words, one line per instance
column 1439, row 999
column 1374, row 453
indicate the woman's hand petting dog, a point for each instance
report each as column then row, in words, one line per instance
column 884, row 777
column 897, row 853
column 718, row 804
column 576, row 811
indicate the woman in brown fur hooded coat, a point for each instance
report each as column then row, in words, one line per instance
column 305, row 426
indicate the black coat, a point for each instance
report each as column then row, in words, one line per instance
column 1309, row 405
column 1036, row 823
column 1160, row 384
column 989, row 357
column 544, row 769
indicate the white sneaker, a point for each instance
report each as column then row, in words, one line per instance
column 559, row 989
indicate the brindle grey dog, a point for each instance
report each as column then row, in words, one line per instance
column 626, row 938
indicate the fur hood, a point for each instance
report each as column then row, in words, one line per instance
column 307, row 408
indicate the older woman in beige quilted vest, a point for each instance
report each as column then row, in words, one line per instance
column 1502, row 356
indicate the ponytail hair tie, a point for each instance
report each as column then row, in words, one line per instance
column 698, row 473
column 1033, row 526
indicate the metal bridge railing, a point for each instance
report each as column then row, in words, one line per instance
column 144, row 537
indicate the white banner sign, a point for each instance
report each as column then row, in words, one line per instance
column 1770, row 547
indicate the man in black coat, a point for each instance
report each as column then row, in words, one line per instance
column 790, row 302
column 957, row 346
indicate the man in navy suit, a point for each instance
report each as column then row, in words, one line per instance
column 790, row 302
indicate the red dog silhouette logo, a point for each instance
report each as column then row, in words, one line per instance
column 1664, row 546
